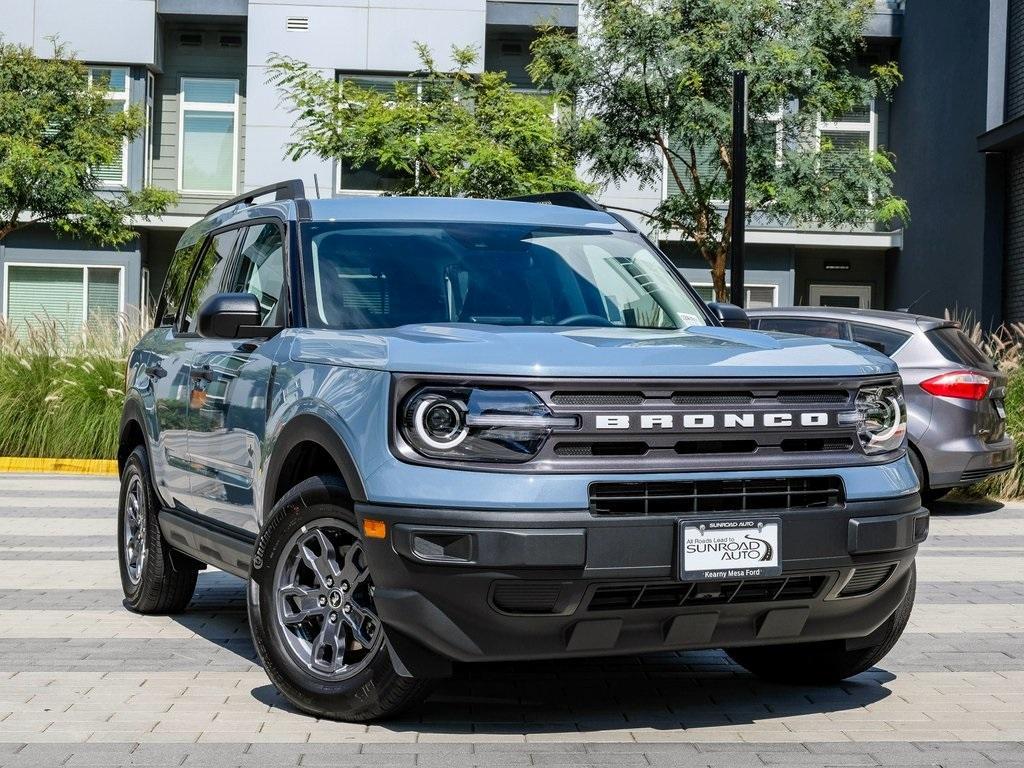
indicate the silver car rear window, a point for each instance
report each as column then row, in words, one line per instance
column 954, row 345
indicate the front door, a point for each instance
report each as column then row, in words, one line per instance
column 847, row 296
column 230, row 383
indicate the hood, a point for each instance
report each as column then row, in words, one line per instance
column 699, row 351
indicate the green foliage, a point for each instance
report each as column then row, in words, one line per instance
column 453, row 133
column 61, row 399
column 653, row 83
column 54, row 129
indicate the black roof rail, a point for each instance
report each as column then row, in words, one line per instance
column 564, row 199
column 293, row 189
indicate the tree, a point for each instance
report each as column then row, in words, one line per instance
column 55, row 130
column 652, row 85
column 453, row 133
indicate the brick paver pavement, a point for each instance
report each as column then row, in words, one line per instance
column 85, row 682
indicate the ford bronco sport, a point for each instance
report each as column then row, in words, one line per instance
column 437, row 430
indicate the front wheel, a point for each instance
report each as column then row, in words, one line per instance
column 312, row 614
column 828, row 662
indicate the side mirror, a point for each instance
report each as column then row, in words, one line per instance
column 729, row 315
column 231, row 316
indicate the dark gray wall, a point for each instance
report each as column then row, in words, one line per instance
column 938, row 113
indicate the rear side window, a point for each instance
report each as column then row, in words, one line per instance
column 954, row 345
column 824, row 329
column 884, row 340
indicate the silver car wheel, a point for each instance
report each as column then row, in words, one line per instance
column 324, row 601
column 134, row 530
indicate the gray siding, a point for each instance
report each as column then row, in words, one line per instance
column 207, row 60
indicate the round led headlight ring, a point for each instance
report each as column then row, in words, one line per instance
column 440, row 423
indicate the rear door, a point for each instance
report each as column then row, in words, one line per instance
column 231, row 379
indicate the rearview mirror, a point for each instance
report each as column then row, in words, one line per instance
column 232, row 316
column 729, row 315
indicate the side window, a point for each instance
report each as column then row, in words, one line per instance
column 825, row 329
column 260, row 269
column 209, row 275
column 175, row 283
column 884, row 340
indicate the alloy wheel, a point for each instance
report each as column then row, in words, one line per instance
column 134, row 529
column 324, row 600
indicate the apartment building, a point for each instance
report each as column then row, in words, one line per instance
column 215, row 128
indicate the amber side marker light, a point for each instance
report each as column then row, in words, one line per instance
column 375, row 529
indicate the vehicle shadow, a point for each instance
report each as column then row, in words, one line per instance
column 964, row 506
column 696, row 689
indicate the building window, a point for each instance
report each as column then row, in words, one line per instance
column 69, row 296
column 116, row 82
column 854, row 130
column 756, row 296
column 208, row 127
column 368, row 179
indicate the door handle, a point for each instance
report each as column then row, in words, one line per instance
column 155, row 371
column 202, row 374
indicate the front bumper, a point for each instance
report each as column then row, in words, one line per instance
column 476, row 585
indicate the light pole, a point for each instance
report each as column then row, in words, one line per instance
column 739, row 186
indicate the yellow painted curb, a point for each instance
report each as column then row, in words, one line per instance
column 63, row 466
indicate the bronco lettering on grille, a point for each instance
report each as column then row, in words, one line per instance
column 656, row 421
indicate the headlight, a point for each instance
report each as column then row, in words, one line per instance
column 470, row 424
column 881, row 418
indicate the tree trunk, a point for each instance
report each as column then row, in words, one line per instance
column 718, row 272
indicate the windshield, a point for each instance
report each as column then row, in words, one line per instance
column 384, row 276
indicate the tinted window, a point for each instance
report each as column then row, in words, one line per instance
column 954, row 345
column 825, row 329
column 884, row 340
column 261, row 268
column 175, row 283
column 209, row 275
column 384, row 276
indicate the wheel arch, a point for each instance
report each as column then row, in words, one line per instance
column 302, row 451
column 131, row 432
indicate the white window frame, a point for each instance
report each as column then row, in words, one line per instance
column 860, row 291
column 203, row 106
column 121, row 287
column 125, row 98
column 773, row 286
column 343, row 75
column 147, row 170
column 870, row 128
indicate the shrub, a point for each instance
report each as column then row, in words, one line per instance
column 1005, row 346
column 61, row 398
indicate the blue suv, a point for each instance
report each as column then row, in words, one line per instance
column 437, row 430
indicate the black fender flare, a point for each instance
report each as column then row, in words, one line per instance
column 132, row 411
column 312, row 429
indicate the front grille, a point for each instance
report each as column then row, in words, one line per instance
column 712, row 398
column 673, row 595
column 624, row 448
column 816, row 444
column 822, row 397
column 526, row 597
column 867, row 579
column 698, row 496
column 597, row 398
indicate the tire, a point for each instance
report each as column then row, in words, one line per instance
column 829, row 662
column 307, row 567
column 153, row 580
column 928, row 494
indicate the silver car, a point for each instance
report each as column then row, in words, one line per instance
column 956, row 419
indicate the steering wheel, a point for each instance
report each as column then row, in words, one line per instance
column 604, row 322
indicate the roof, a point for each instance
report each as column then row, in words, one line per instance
column 903, row 320
column 423, row 209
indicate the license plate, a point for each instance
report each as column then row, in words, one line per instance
column 729, row 549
